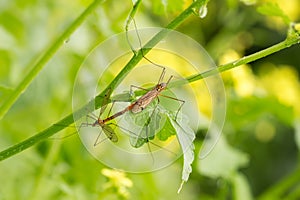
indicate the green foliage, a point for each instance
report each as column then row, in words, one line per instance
column 166, row 131
column 256, row 158
column 224, row 161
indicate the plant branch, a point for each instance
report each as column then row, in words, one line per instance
column 44, row 59
column 292, row 38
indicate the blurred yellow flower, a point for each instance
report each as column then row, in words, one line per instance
column 117, row 180
column 283, row 83
column 265, row 131
column 243, row 80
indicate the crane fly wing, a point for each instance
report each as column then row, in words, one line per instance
column 110, row 133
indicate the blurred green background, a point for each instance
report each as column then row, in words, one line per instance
column 257, row 156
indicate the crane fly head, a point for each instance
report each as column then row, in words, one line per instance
column 161, row 86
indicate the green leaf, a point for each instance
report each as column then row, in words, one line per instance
column 162, row 122
column 223, row 161
column 272, row 9
column 167, row 131
column 144, row 125
column 185, row 136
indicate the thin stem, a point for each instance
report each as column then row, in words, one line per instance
column 68, row 120
column 45, row 58
column 289, row 41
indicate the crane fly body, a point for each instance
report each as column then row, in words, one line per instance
column 140, row 104
column 146, row 99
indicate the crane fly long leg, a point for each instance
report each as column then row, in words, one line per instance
column 179, row 100
column 129, row 19
column 84, row 124
column 147, row 124
column 134, row 86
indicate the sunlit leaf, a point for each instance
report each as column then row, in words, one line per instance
column 144, row 125
column 223, row 161
column 185, row 136
column 272, row 9
column 156, row 120
column 166, row 131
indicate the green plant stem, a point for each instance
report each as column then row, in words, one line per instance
column 45, row 58
column 289, row 41
column 68, row 120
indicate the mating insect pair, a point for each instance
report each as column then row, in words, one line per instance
column 136, row 107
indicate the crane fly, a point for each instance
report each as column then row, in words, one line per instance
column 136, row 107
column 140, row 104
